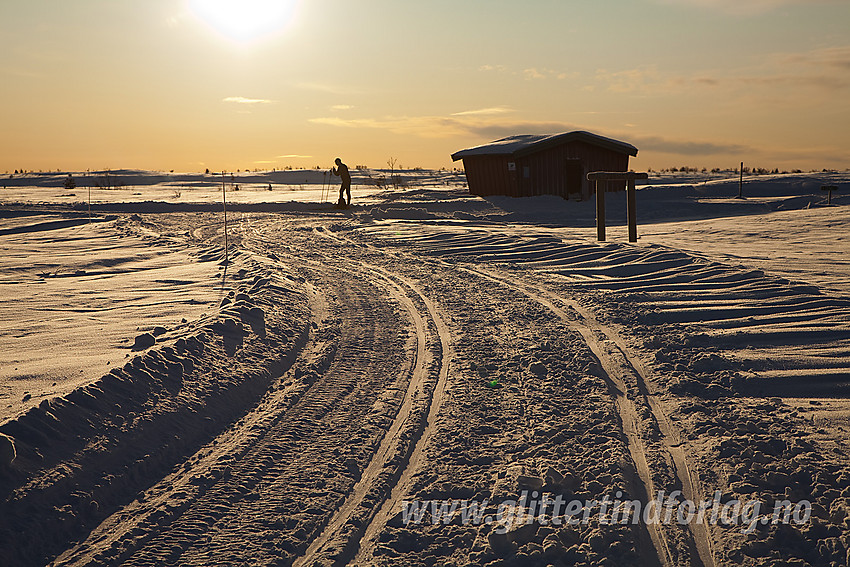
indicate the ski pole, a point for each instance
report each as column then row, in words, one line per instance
column 327, row 186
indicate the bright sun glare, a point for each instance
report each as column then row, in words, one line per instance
column 244, row 20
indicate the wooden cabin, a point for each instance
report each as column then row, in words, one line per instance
column 527, row 165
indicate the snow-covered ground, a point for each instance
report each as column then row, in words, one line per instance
column 75, row 297
column 424, row 346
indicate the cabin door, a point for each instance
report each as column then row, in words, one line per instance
column 574, row 176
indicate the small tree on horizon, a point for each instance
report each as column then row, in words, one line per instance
column 393, row 179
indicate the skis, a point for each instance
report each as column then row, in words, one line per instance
column 327, row 176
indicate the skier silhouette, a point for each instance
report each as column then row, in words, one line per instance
column 341, row 170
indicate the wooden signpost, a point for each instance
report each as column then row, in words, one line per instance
column 829, row 189
column 605, row 176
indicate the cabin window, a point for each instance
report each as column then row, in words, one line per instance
column 526, row 171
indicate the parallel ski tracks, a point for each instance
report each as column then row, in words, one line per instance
column 258, row 491
column 740, row 311
column 628, row 381
column 405, row 440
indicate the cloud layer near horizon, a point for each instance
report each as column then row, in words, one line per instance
column 471, row 123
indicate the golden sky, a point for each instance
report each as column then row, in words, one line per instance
column 243, row 84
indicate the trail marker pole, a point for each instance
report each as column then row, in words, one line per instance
column 600, row 209
column 741, row 182
column 631, row 209
column 89, row 188
column 829, row 189
column 224, row 207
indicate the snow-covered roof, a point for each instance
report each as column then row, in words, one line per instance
column 524, row 144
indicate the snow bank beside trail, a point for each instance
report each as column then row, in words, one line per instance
column 72, row 299
column 81, row 456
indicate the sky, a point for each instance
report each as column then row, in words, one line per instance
column 187, row 85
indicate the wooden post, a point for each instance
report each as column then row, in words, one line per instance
column 605, row 176
column 631, row 212
column 829, row 189
column 741, row 182
column 224, row 207
column 600, row 210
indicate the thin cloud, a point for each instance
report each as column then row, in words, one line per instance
column 482, row 125
column 784, row 75
column 495, row 131
column 530, row 73
column 425, row 126
column 342, row 107
column 686, row 148
column 826, row 69
column 809, row 153
column 464, row 125
column 642, row 80
column 834, row 59
column 484, row 111
column 537, row 74
column 533, row 74
column 825, row 82
column 293, row 156
column 243, row 100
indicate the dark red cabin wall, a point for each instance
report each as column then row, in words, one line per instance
column 490, row 175
column 547, row 168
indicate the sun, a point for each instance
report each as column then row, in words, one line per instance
column 245, row 21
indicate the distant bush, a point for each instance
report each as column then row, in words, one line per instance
column 378, row 181
column 105, row 181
